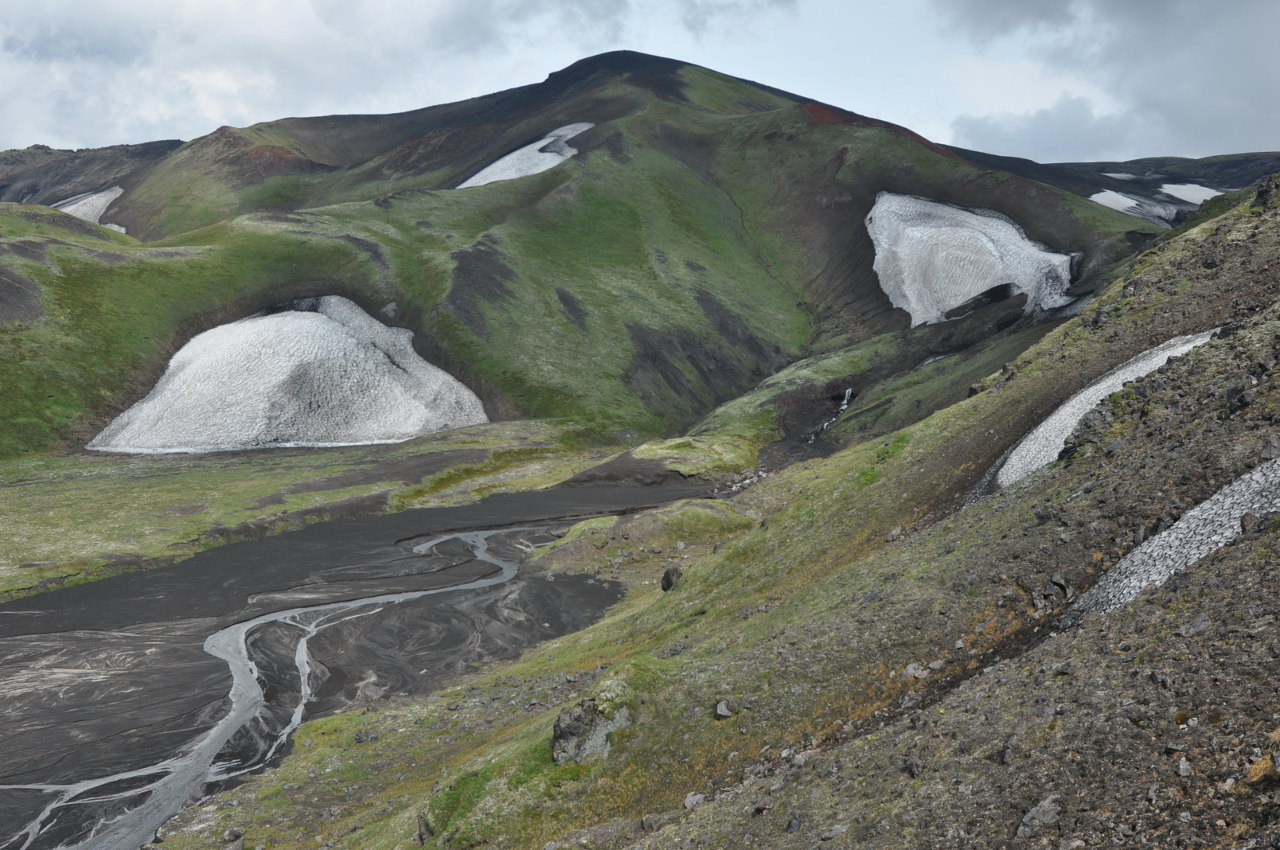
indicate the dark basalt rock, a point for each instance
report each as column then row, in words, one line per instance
column 671, row 578
column 581, row 732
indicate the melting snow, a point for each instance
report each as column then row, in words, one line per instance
column 91, row 205
column 1205, row 528
column 1117, row 175
column 932, row 257
column 548, row 152
column 1190, row 192
column 1045, row 442
column 1150, row 209
column 323, row 373
column 1115, row 200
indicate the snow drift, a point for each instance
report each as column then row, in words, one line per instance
column 1046, row 441
column 548, row 152
column 932, row 257
column 91, row 206
column 320, row 372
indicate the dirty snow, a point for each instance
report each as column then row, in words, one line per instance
column 1154, row 211
column 1190, row 192
column 1202, row 530
column 323, row 373
column 90, row 206
column 932, row 257
column 1045, row 442
column 548, row 152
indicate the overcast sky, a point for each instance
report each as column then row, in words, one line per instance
column 1051, row 80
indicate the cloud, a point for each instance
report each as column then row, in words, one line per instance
column 76, row 74
column 698, row 16
column 1189, row 78
column 1066, row 131
column 983, row 20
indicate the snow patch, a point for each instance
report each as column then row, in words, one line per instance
column 932, row 257
column 320, row 373
column 1202, row 530
column 1115, row 200
column 1046, row 441
column 1190, row 192
column 548, row 152
column 1150, row 209
column 91, row 206
column 1117, row 175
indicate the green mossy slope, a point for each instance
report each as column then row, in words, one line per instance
column 807, row 623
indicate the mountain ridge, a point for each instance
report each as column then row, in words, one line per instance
column 849, row 644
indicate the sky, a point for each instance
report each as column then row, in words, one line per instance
column 1050, row 80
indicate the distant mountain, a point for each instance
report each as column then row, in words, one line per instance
column 1162, row 190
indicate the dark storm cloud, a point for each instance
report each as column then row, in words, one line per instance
column 1192, row 78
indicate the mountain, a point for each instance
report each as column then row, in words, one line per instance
column 713, row 224
column 824, row 333
column 1163, row 190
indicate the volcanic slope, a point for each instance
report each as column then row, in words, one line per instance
column 1165, row 190
column 708, row 232
column 846, row 658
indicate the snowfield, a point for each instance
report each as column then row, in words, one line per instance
column 1046, row 441
column 91, row 205
column 933, row 257
column 548, row 152
column 322, row 373
column 1115, row 200
column 1153, row 210
column 1190, row 192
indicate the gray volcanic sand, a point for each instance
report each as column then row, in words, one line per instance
column 108, row 677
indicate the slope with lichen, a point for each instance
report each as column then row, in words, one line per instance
column 824, row 629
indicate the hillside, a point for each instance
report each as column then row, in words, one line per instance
column 846, row 659
column 740, row 462
column 713, row 225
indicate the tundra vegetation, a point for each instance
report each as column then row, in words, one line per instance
column 846, row 647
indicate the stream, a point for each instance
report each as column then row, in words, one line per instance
column 125, row 702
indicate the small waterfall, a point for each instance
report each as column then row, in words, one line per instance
column 844, row 405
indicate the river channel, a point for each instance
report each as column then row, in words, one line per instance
column 126, row 699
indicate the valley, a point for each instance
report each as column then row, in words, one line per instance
column 816, row 485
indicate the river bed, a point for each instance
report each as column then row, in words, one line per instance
column 126, row 697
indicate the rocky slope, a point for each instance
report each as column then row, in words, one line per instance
column 847, row 648
column 855, row 665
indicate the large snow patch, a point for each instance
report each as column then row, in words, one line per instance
column 1046, row 441
column 1192, row 193
column 322, row 372
column 548, row 152
column 933, row 257
column 91, row 206
column 1148, row 208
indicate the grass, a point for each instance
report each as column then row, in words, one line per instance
column 151, row 509
column 804, row 609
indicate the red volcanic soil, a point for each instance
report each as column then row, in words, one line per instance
column 821, row 113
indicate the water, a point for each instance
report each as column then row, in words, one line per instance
column 148, row 796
